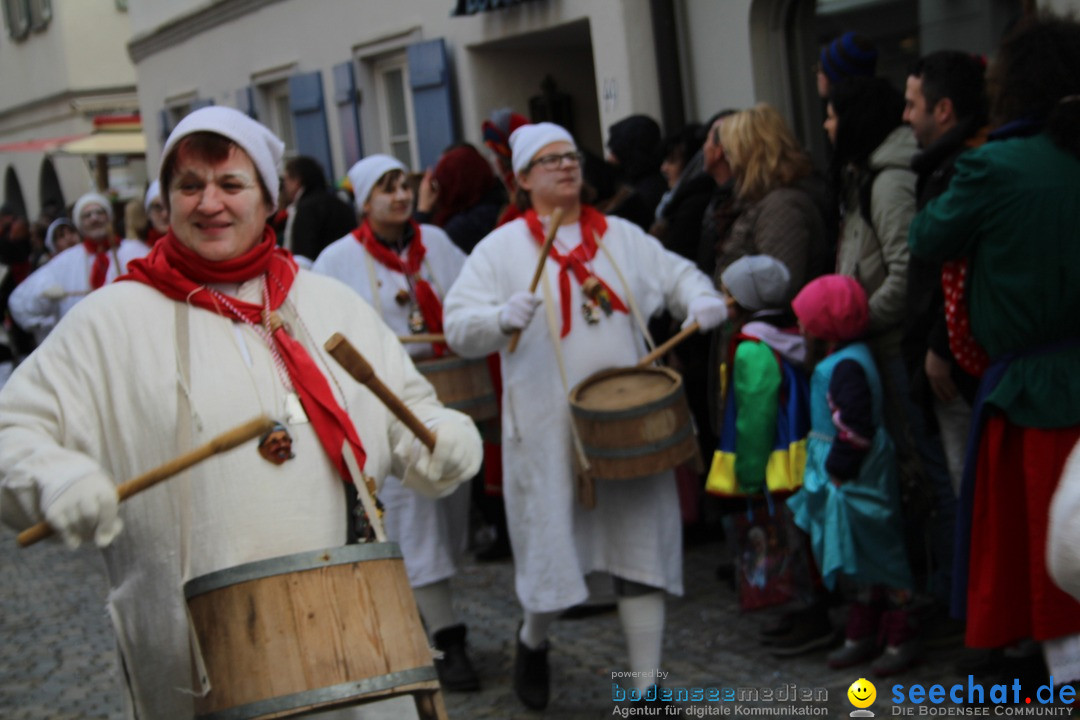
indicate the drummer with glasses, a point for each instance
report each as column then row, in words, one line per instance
column 217, row 325
column 603, row 279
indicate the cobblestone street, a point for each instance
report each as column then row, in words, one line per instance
column 57, row 659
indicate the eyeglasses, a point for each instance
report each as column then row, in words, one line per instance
column 92, row 212
column 555, row 161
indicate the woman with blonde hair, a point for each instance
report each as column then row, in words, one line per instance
column 779, row 207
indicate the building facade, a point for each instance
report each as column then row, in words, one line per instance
column 338, row 79
column 63, row 63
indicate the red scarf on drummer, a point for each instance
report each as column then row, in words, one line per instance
column 180, row 274
column 100, row 269
column 593, row 225
column 428, row 302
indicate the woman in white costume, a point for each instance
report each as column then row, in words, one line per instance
column 39, row 302
column 634, row 533
column 143, row 371
column 404, row 270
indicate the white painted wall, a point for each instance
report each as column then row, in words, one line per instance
column 82, row 50
column 223, row 59
column 720, row 71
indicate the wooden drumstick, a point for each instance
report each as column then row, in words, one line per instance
column 553, row 225
column 354, row 363
column 226, row 441
column 423, row 338
column 672, row 342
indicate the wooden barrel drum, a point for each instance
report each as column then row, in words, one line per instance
column 462, row 384
column 633, row 422
column 328, row 628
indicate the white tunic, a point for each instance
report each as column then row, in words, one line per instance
column 70, row 270
column 433, row 534
column 635, row 530
column 102, row 395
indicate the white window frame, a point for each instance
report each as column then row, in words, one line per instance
column 383, row 68
column 272, row 99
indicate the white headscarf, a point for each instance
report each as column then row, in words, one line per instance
column 90, row 198
column 262, row 146
column 365, row 173
column 528, row 140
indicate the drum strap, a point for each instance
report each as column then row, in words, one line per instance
column 185, row 418
column 638, row 318
column 553, row 330
column 373, row 283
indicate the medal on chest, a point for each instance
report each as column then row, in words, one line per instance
column 415, row 318
column 597, row 303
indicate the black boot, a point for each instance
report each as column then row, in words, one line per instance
column 531, row 675
column 456, row 673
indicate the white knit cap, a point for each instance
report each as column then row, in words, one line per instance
column 90, row 198
column 50, row 234
column 757, row 282
column 365, row 173
column 528, row 140
column 261, row 145
column 152, row 193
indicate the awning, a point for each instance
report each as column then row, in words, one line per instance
column 106, row 143
column 39, row 145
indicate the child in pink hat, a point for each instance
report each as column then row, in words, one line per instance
column 850, row 500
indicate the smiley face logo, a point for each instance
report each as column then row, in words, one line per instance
column 862, row 693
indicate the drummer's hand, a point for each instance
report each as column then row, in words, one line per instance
column 708, row 311
column 54, row 292
column 456, row 458
column 518, row 311
column 428, row 192
column 86, row 509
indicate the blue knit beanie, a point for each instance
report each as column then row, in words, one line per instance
column 845, row 58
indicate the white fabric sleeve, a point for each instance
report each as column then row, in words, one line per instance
column 47, row 428
column 679, row 280
column 1063, row 535
column 30, row 308
column 419, row 396
column 471, row 309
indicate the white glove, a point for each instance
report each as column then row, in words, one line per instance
column 708, row 311
column 54, row 292
column 518, row 311
column 456, row 458
column 87, row 509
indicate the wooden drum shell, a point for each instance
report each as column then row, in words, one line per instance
column 327, row 628
column 633, row 422
column 462, row 384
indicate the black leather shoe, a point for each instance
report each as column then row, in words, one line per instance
column 531, row 675
column 456, row 672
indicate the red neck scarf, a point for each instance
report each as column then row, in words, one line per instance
column 180, row 274
column 426, row 299
column 593, row 225
column 152, row 236
column 100, row 250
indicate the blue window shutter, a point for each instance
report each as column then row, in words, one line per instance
column 348, row 108
column 309, row 118
column 433, row 102
column 245, row 101
column 165, row 120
